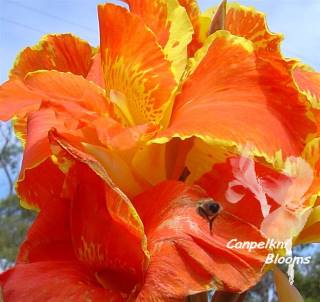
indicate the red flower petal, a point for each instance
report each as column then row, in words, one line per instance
column 185, row 257
column 54, row 281
column 102, row 225
column 49, row 237
column 103, row 220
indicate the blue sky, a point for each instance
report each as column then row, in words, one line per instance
column 22, row 23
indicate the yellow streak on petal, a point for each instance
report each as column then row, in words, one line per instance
column 180, row 35
column 234, row 40
column 116, row 167
column 120, row 100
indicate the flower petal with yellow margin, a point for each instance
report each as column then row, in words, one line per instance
column 138, row 78
column 308, row 82
column 154, row 14
column 193, row 12
column 251, row 24
column 109, row 198
column 61, row 52
column 172, row 27
column 232, row 88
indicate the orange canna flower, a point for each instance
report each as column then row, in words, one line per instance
column 119, row 141
column 95, row 243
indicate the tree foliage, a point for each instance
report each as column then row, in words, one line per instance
column 307, row 279
column 14, row 222
column 10, row 151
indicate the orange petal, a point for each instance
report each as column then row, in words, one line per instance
column 37, row 148
column 232, row 89
column 185, row 257
column 67, row 87
column 63, row 52
column 111, row 210
column 33, row 190
column 308, row 81
column 95, row 73
column 20, row 98
column 115, row 136
column 114, row 146
column 138, row 78
column 154, row 14
column 172, row 27
column 16, row 98
column 251, row 24
column 54, row 281
column 65, row 99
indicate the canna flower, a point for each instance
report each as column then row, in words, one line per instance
column 96, row 244
column 119, row 142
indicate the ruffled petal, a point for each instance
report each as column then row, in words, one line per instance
column 16, row 98
column 47, row 99
column 154, row 14
column 172, row 27
column 251, row 24
column 67, row 87
column 23, row 97
column 54, row 281
column 185, row 256
column 232, row 88
column 40, row 185
column 308, row 82
column 103, row 225
column 137, row 78
column 97, row 204
column 63, row 52
column 33, row 190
